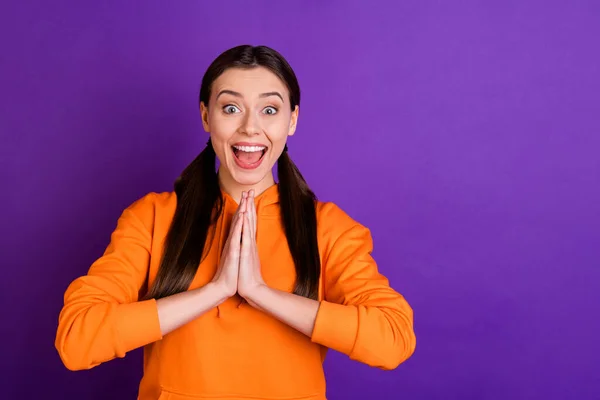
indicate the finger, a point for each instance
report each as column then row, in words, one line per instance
column 235, row 220
column 249, row 209
column 246, row 235
column 252, row 213
column 251, row 217
column 236, row 234
column 254, row 218
column 246, row 197
column 243, row 204
column 240, row 205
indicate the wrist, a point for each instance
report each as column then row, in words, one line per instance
column 220, row 291
column 253, row 293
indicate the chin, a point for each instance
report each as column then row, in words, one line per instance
column 247, row 181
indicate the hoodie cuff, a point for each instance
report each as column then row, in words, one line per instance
column 336, row 326
column 137, row 324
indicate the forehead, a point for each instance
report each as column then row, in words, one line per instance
column 249, row 82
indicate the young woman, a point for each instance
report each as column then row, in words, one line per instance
column 236, row 285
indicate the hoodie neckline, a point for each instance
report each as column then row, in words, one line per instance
column 268, row 197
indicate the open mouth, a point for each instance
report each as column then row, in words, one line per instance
column 249, row 156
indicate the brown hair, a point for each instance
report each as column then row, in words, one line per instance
column 200, row 202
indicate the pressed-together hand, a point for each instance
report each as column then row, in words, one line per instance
column 249, row 278
column 239, row 271
column 227, row 273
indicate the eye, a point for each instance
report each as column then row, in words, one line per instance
column 270, row 110
column 230, row 109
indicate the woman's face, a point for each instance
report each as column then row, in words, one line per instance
column 249, row 119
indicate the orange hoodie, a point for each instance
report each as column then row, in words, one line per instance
column 234, row 351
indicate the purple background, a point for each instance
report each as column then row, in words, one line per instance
column 464, row 134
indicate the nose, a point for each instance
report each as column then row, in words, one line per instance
column 250, row 124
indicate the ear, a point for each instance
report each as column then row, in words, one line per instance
column 293, row 121
column 204, row 115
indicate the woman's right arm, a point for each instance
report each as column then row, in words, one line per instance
column 102, row 318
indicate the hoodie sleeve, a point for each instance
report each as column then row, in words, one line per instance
column 360, row 314
column 102, row 318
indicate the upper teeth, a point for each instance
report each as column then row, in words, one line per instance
column 250, row 149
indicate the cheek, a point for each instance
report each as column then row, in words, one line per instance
column 222, row 128
column 277, row 128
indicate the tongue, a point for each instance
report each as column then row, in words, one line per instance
column 249, row 158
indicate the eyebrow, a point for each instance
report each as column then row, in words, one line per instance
column 262, row 95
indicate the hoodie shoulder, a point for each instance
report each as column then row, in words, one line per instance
column 152, row 206
column 332, row 220
column 154, row 201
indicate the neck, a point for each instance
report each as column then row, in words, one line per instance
column 235, row 189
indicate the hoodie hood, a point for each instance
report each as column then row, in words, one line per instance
column 267, row 203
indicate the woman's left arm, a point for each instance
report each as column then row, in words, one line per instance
column 361, row 315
